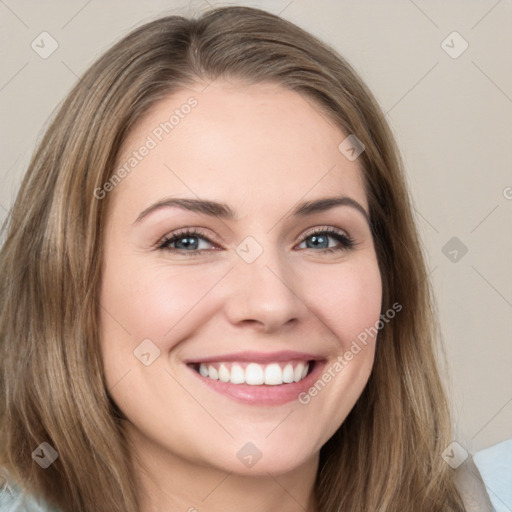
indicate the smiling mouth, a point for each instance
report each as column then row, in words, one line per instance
column 255, row 374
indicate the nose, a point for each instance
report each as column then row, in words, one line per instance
column 262, row 294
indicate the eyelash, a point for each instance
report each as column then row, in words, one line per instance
column 346, row 242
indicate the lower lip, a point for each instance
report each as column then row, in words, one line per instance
column 263, row 394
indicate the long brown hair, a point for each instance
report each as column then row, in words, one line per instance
column 385, row 457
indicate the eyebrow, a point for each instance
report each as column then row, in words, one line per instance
column 224, row 211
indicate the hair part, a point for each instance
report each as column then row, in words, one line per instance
column 386, row 456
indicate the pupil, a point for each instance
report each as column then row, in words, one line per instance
column 318, row 240
column 189, row 242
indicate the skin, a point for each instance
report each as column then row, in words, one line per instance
column 262, row 149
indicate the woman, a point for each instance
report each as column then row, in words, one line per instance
column 175, row 334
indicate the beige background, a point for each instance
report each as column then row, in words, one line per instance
column 452, row 118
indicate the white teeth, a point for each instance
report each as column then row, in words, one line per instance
column 255, row 374
column 213, row 373
column 237, row 374
column 203, row 370
column 273, row 375
column 288, row 373
column 223, row 373
column 297, row 373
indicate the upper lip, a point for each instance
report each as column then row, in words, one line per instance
column 257, row 357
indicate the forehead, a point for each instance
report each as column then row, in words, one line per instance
column 237, row 143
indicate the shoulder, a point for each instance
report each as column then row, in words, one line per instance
column 471, row 487
column 495, row 466
column 13, row 500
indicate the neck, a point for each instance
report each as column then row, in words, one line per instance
column 169, row 482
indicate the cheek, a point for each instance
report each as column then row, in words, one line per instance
column 152, row 301
column 347, row 300
column 162, row 304
column 348, row 303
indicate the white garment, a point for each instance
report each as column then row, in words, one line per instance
column 495, row 466
column 12, row 500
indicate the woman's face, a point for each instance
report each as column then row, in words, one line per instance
column 206, row 338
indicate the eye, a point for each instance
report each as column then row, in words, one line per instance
column 320, row 239
column 186, row 241
column 189, row 241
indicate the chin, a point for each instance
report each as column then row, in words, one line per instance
column 259, row 458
